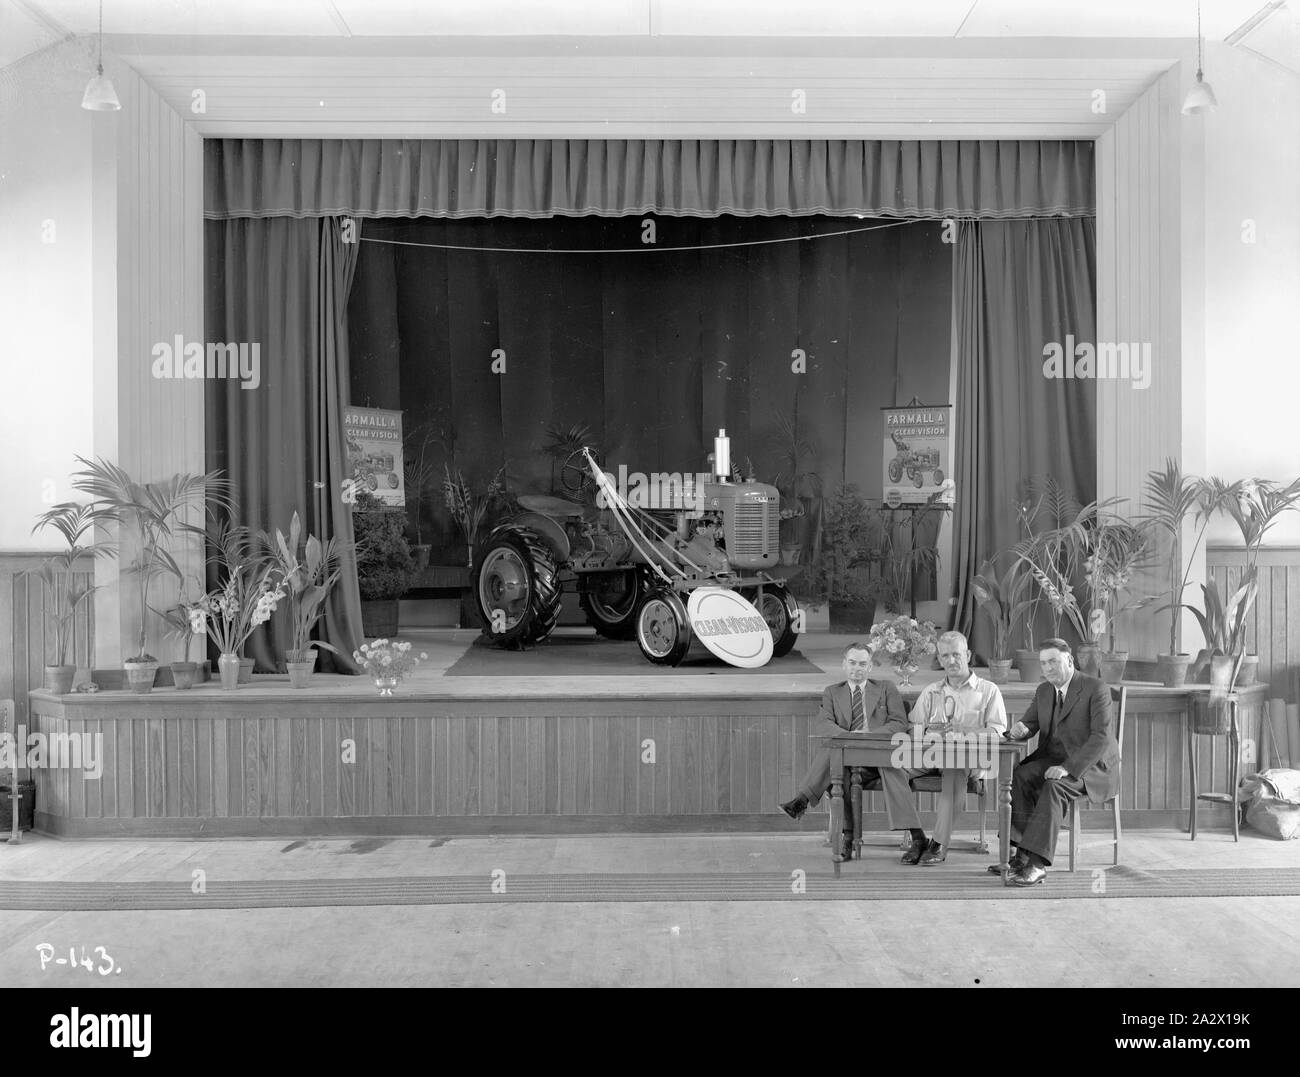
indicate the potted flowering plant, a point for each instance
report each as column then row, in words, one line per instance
column 186, row 621
column 308, row 571
column 387, row 662
column 232, row 612
column 903, row 642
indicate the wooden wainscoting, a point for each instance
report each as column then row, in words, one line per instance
column 26, row 638
column 271, row 761
column 1274, row 626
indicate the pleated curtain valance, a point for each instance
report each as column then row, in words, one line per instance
column 615, row 177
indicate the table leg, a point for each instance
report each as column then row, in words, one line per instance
column 1004, row 820
column 837, row 808
column 1234, row 769
column 855, row 798
column 1191, row 764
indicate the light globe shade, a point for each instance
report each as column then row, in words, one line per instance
column 1200, row 98
column 100, row 95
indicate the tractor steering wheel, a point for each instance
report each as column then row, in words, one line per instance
column 575, row 475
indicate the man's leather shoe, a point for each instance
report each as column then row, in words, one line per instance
column 795, row 808
column 934, row 854
column 914, row 852
column 1029, row 875
column 1018, row 862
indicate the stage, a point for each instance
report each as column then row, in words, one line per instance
column 698, row 750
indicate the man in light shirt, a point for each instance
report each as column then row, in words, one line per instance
column 960, row 701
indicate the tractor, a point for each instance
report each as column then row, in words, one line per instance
column 914, row 463
column 634, row 569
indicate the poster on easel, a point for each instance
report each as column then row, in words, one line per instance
column 918, row 455
column 374, row 452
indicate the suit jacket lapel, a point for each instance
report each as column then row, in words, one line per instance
column 870, row 697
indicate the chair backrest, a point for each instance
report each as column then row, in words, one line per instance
column 1119, row 696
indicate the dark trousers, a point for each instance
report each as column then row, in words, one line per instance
column 900, row 803
column 1038, row 807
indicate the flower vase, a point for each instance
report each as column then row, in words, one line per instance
column 228, row 664
column 905, row 675
column 386, row 683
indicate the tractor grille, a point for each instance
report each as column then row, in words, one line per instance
column 757, row 527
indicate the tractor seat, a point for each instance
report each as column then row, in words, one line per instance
column 556, row 507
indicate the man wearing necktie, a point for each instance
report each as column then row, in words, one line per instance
column 1076, row 756
column 857, row 703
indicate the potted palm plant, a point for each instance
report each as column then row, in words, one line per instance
column 149, row 515
column 308, row 569
column 1254, row 505
column 1172, row 497
column 64, row 596
column 1002, row 600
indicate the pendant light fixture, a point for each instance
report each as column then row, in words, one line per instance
column 100, row 95
column 1201, row 97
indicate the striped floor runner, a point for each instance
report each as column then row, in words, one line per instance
column 856, row 884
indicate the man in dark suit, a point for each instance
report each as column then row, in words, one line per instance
column 1076, row 756
column 858, row 703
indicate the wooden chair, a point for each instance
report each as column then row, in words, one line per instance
column 1118, row 695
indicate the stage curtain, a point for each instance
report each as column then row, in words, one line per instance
column 726, row 325
column 284, row 284
column 613, row 177
column 1017, row 286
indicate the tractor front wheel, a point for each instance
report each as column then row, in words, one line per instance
column 895, row 469
column 663, row 630
column 517, row 587
column 781, row 613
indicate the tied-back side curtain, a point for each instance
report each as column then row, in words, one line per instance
column 614, row 177
column 283, row 284
column 1017, row 287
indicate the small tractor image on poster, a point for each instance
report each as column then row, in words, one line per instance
column 914, row 464
column 372, row 468
column 633, row 569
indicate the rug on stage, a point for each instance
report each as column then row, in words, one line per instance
column 860, row 881
column 594, row 656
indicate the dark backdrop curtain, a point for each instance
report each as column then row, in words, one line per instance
column 284, row 283
column 675, row 177
column 1017, row 286
column 654, row 349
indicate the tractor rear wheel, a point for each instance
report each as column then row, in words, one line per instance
column 610, row 601
column 517, row 587
column 663, row 630
column 781, row 613
column 895, row 469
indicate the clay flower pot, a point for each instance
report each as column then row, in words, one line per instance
column 300, row 671
column 185, row 674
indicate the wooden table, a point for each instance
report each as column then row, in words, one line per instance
column 879, row 749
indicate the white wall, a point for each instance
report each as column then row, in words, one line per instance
column 46, row 317
column 1252, row 290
